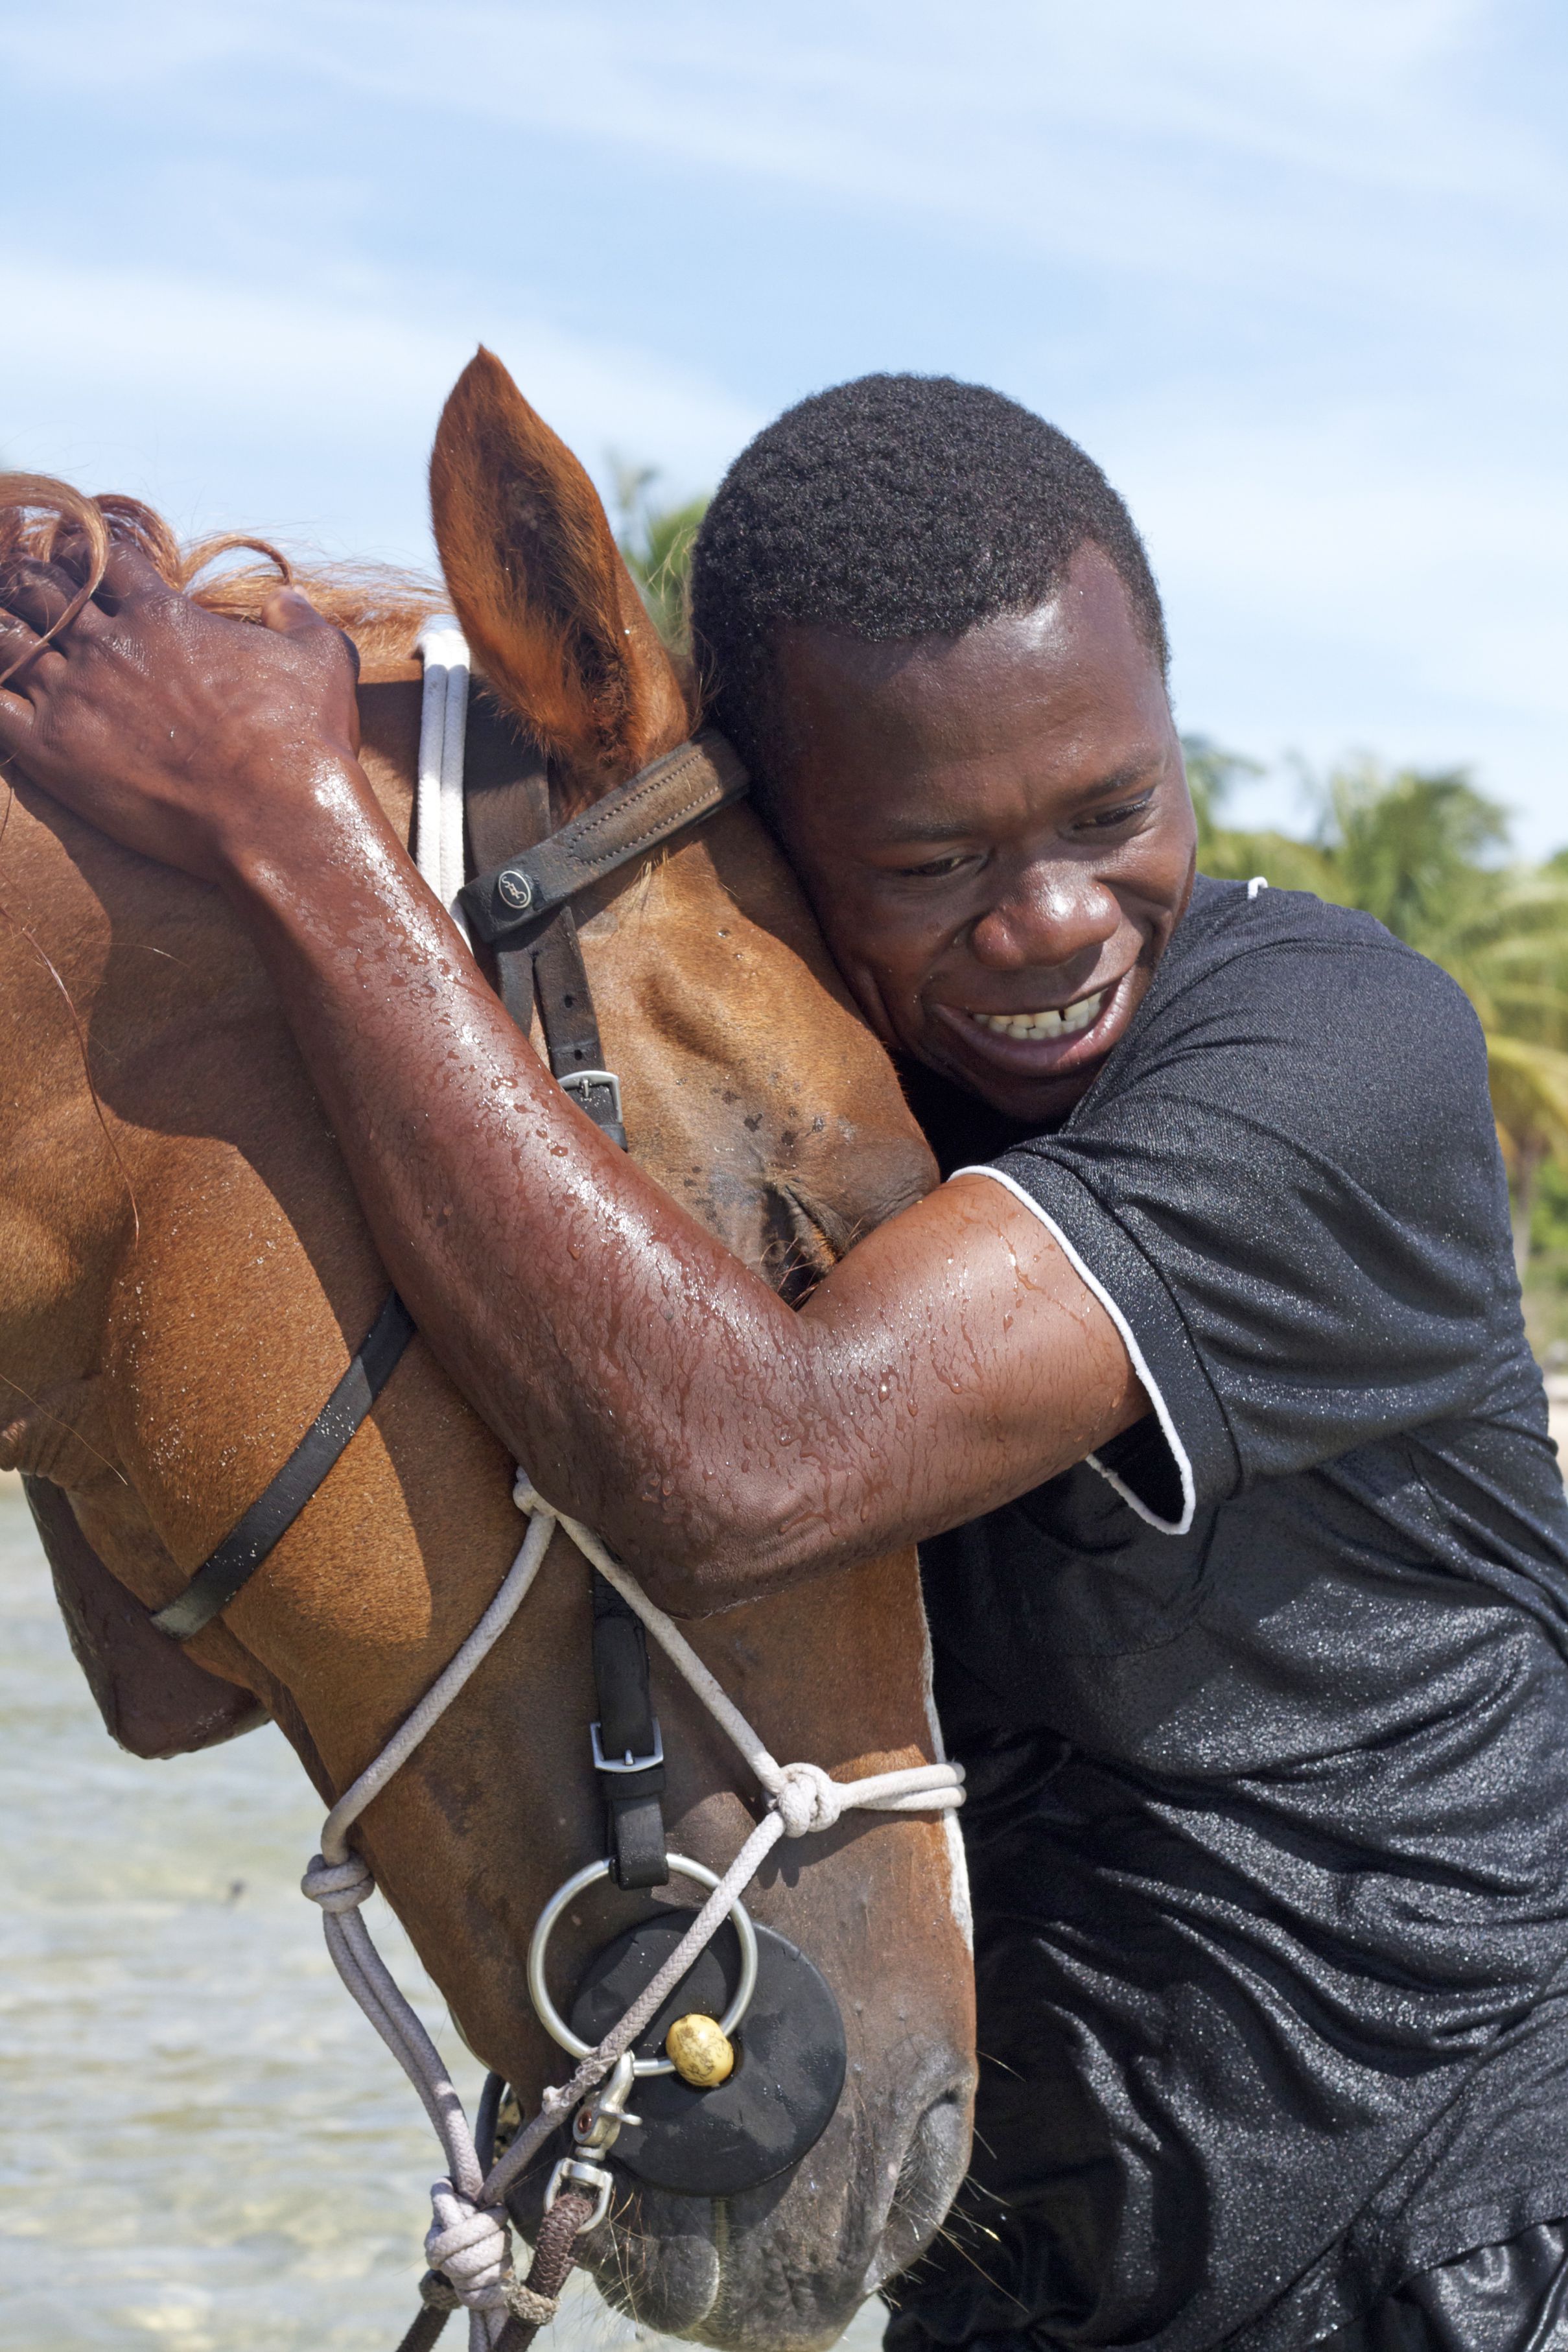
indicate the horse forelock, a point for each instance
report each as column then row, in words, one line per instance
column 382, row 606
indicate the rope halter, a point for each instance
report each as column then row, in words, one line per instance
column 469, row 2245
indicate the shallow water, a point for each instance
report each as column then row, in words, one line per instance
column 203, row 2145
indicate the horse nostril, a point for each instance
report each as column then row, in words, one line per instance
column 934, row 2161
column 933, row 2167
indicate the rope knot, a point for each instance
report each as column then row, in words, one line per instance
column 526, row 1495
column 338, row 1887
column 469, row 2246
column 806, row 1799
column 533, row 2309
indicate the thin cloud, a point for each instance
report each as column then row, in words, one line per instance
column 1294, row 273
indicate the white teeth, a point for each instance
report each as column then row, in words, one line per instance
column 1050, row 1024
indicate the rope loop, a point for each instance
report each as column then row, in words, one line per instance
column 470, row 2246
column 434, row 2290
column 526, row 1495
column 339, row 1887
column 533, row 2309
column 807, row 1798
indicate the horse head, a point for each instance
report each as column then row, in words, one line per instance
column 183, row 1267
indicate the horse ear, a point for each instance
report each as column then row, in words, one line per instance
column 539, row 587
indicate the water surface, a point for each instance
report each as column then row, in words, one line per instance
column 203, row 2145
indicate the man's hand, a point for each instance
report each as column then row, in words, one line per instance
column 201, row 741
column 724, row 1443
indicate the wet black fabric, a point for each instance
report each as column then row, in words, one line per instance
column 1509, row 2298
column 1267, row 1713
column 1506, row 2298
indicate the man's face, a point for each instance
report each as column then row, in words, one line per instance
column 996, row 834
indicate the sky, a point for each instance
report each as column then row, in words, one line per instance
column 1296, row 275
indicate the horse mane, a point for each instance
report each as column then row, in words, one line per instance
column 381, row 606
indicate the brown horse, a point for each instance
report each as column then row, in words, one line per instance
column 184, row 1269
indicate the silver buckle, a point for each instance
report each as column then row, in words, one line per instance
column 591, row 2175
column 628, row 1763
column 597, row 2127
column 577, row 1082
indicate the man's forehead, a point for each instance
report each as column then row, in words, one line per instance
column 1083, row 638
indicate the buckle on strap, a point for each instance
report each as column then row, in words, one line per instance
column 574, row 2172
column 580, row 1085
column 627, row 1763
column 507, row 906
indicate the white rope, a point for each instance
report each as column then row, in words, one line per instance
column 439, row 1697
column 469, row 2241
column 438, row 789
column 807, row 1798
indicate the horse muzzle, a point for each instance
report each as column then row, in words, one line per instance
column 760, row 2212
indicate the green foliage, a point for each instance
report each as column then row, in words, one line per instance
column 1409, row 846
column 1231, row 854
column 1550, row 1233
column 656, row 542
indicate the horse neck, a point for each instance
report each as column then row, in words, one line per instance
column 118, row 981
column 180, row 1346
column 159, row 1109
column 171, row 1198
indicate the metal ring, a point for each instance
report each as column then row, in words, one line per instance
column 550, row 2018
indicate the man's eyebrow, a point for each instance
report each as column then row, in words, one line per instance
column 894, row 828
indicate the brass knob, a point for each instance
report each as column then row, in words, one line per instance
column 701, row 2054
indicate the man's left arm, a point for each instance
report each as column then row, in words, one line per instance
column 955, row 1358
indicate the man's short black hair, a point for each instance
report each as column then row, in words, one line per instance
column 892, row 507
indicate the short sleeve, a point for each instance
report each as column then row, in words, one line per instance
column 1286, row 1188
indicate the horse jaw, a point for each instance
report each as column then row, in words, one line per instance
column 785, row 2267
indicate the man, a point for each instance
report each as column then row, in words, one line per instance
column 1202, row 1381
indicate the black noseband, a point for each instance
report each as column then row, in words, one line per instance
column 790, row 2060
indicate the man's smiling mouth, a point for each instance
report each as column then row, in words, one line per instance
column 1050, row 1043
column 1051, row 1023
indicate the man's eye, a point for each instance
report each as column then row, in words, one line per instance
column 1107, row 820
column 933, row 868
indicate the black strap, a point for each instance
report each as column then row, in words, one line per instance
column 627, row 1734
column 510, row 803
column 507, row 906
column 506, row 802
column 505, row 909
column 570, row 1023
column 276, row 1509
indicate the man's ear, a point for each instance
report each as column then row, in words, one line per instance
column 540, row 588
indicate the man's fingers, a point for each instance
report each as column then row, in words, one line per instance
column 36, row 593
column 290, row 612
column 14, row 630
column 16, row 722
column 129, row 579
column 18, row 644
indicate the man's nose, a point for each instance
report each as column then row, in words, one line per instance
column 1049, row 915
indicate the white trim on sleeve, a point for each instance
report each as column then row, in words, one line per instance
column 1163, row 1413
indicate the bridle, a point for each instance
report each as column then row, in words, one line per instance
column 519, row 909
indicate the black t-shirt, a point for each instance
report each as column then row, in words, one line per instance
column 1266, row 1707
